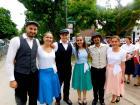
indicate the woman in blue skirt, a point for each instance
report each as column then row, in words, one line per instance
column 81, row 80
column 49, row 86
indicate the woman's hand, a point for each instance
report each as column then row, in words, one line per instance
column 122, row 79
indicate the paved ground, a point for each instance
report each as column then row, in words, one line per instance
column 131, row 97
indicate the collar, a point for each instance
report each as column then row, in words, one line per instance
column 26, row 37
column 101, row 45
column 129, row 44
column 63, row 42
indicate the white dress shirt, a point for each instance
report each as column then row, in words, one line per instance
column 65, row 45
column 128, row 48
column 99, row 55
column 137, row 46
column 12, row 51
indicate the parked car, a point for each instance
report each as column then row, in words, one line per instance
column 2, row 42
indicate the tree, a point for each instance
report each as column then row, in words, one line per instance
column 119, row 21
column 83, row 12
column 49, row 14
column 7, row 27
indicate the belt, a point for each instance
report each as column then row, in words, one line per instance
column 98, row 68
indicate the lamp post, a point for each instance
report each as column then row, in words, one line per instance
column 66, row 12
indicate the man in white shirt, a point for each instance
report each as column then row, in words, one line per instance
column 98, row 53
column 63, row 62
column 21, row 65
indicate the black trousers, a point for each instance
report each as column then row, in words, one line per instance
column 64, row 78
column 27, row 85
column 98, row 81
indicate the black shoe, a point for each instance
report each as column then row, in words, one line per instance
column 128, row 82
column 68, row 101
column 117, row 99
column 84, row 101
column 136, row 84
column 57, row 103
column 80, row 101
column 94, row 102
column 113, row 101
column 102, row 103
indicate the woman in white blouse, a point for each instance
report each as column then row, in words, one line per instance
column 130, row 49
column 49, row 86
column 115, row 70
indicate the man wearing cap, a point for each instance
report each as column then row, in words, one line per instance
column 21, row 65
column 98, row 53
column 108, row 40
column 63, row 62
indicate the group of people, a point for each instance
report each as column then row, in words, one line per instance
column 39, row 71
column 132, row 59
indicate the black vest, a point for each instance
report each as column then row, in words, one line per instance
column 63, row 57
column 25, row 60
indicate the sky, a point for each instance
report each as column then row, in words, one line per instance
column 17, row 9
column 113, row 2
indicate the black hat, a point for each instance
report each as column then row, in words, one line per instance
column 64, row 31
column 96, row 34
column 31, row 23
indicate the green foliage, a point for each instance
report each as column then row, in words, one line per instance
column 49, row 14
column 83, row 12
column 7, row 27
column 119, row 21
column 52, row 16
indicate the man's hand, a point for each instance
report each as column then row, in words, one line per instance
column 53, row 46
column 13, row 84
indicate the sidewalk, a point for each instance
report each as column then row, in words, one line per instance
column 131, row 97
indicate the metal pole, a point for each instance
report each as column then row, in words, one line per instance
column 66, row 11
column 133, row 37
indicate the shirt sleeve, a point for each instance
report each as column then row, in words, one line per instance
column 10, row 58
column 38, row 43
column 89, row 49
column 73, row 49
column 136, row 46
column 55, row 46
column 124, row 56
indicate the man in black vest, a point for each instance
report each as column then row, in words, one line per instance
column 63, row 62
column 21, row 65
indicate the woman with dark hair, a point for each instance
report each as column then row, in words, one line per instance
column 130, row 49
column 81, row 80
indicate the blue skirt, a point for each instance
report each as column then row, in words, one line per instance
column 49, row 86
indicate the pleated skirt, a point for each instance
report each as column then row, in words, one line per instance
column 81, row 80
column 49, row 86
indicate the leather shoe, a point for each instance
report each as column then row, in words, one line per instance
column 102, row 103
column 68, row 101
column 94, row 102
column 57, row 103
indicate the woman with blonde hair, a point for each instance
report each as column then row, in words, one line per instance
column 116, row 58
column 49, row 86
